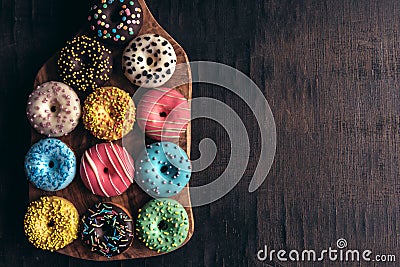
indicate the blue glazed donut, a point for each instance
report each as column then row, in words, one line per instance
column 50, row 165
column 163, row 170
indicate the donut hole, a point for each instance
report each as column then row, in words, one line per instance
column 51, row 223
column 113, row 113
column 55, row 107
column 108, row 229
column 116, row 16
column 163, row 225
column 86, row 60
column 163, row 114
column 106, row 170
column 164, row 169
column 169, row 171
column 51, row 164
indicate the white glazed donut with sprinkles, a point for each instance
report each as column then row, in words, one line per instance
column 149, row 61
column 116, row 21
column 53, row 109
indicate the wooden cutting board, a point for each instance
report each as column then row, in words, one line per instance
column 80, row 140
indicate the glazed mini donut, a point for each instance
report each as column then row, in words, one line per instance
column 109, row 113
column 51, row 223
column 107, row 229
column 163, row 170
column 53, row 109
column 84, row 63
column 162, row 225
column 107, row 169
column 116, row 21
column 149, row 61
column 50, row 165
column 163, row 114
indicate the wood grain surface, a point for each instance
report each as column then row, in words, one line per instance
column 330, row 71
column 80, row 140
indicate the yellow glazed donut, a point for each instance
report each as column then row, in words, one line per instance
column 51, row 223
column 109, row 113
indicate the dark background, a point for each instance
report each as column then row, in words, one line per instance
column 330, row 71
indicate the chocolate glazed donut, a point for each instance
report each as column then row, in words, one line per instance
column 107, row 229
column 84, row 63
column 115, row 21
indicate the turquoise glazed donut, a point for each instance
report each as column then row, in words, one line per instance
column 162, row 225
column 163, row 170
column 50, row 165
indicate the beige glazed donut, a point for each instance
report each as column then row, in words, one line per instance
column 53, row 109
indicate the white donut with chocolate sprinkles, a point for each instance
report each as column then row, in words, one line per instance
column 149, row 61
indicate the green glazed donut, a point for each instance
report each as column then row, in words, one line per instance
column 162, row 225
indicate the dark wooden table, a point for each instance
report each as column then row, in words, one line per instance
column 330, row 71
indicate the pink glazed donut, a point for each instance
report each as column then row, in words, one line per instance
column 107, row 169
column 163, row 114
